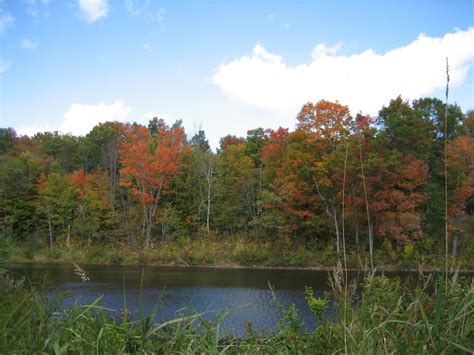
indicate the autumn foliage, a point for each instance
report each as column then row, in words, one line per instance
column 380, row 179
column 149, row 162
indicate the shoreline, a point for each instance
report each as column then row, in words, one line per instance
column 232, row 266
column 229, row 254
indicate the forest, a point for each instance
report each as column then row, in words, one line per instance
column 281, row 197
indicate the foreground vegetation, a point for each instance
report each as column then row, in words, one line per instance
column 382, row 316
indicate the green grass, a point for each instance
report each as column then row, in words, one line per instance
column 214, row 251
column 384, row 316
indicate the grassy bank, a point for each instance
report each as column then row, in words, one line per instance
column 385, row 317
column 231, row 252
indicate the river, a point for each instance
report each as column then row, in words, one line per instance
column 242, row 294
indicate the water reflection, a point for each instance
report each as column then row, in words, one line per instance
column 243, row 294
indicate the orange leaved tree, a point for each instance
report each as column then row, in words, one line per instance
column 461, row 177
column 149, row 158
column 326, row 126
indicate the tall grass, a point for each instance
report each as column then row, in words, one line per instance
column 366, row 198
column 446, row 238
column 384, row 316
column 344, row 246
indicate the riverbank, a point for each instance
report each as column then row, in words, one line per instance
column 224, row 254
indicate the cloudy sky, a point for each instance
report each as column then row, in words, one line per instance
column 223, row 66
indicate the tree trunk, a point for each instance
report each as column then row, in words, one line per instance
column 209, row 178
column 144, row 221
column 148, row 235
column 208, row 215
column 332, row 215
column 259, row 204
column 152, row 213
column 149, row 217
column 371, row 244
column 455, row 244
column 50, row 232
column 337, row 232
column 68, row 238
column 126, row 216
column 456, row 236
column 369, row 223
column 357, row 237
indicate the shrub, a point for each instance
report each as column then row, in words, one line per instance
column 29, row 251
column 95, row 253
column 116, row 258
column 388, row 248
column 53, row 254
column 409, row 252
column 317, row 305
column 249, row 257
column 6, row 244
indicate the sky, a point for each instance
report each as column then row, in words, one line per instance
column 224, row 66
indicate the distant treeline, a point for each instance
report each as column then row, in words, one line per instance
column 379, row 180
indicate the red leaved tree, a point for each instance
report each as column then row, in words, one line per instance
column 149, row 159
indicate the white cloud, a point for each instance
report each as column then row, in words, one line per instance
column 31, row 130
column 145, row 8
column 364, row 81
column 271, row 17
column 93, row 10
column 321, row 50
column 38, row 9
column 159, row 16
column 4, row 65
column 28, row 44
column 146, row 46
column 136, row 7
column 6, row 19
column 81, row 118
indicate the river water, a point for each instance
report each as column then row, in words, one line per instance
column 243, row 295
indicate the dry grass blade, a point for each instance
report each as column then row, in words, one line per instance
column 446, row 175
column 81, row 273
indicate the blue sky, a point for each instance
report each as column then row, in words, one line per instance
column 224, row 66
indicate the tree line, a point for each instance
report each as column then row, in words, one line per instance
column 379, row 180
